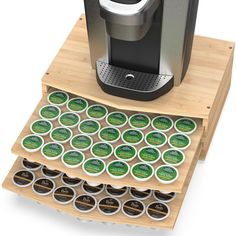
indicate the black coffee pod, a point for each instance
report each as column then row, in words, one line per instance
column 43, row 186
column 164, row 197
column 73, row 182
column 140, row 195
column 23, row 178
column 50, row 173
column 115, row 192
column 33, row 166
column 85, row 203
column 133, row 208
column 64, row 194
column 109, row 206
column 158, row 211
column 93, row 190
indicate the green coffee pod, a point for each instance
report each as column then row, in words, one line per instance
column 94, row 166
column 58, row 98
column 50, row 112
column 78, row 105
column 162, row 123
column 109, row 134
column 102, row 150
column 132, row 136
column 139, row 121
column 118, row 169
column 81, row 142
column 52, row 151
column 89, row 127
column 97, row 112
column 41, row 127
column 166, row 174
column 185, row 125
column 117, row 119
column 156, row 139
column 179, row 141
column 125, row 152
column 32, row 143
column 173, row 157
column 61, row 134
column 73, row 158
column 149, row 154
column 142, row 171
column 69, row 119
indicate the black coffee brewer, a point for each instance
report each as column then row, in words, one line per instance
column 140, row 48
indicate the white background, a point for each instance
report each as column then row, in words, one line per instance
column 31, row 33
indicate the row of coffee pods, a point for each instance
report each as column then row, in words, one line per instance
column 86, row 202
column 119, row 119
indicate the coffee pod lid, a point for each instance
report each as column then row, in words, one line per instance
column 114, row 192
column 162, row 123
column 109, row 206
column 77, row 104
column 158, row 211
column 64, row 195
column 72, row 182
column 43, row 186
column 139, row 121
column 73, row 158
column 52, row 151
column 185, row 125
column 49, row 112
column 50, row 173
column 117, row 119
column 23, row 178
column 92, row 190
column 58, row 98
column 33, row 166
column 133, row 208
column 164, row 197
column 140, row 195
column 179, row 141
column 94, row 166
column 97, row 112
column 85, row 203
column 81, row 142
column 32, row 143
column 166, row 174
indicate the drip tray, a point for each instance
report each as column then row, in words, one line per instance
column 132, row 84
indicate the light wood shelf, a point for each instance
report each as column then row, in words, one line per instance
column 177, row 186
column 95, row 215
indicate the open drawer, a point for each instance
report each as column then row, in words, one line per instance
column 95, row 215
column 191, row 154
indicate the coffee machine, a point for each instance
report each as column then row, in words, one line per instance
column 140, row 49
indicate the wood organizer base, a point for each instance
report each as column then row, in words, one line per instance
column 201, row 96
